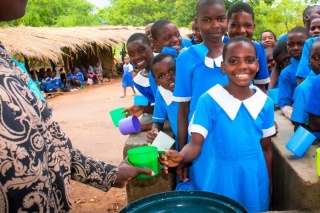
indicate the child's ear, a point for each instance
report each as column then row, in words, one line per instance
column 222, row 67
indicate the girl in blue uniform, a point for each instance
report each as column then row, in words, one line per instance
column 241, row 23
column 231, row 143
column 287, row 79
column 127, row 78
column 163, row 69
column 198, row 67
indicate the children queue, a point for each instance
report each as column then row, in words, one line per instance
column 216, row 87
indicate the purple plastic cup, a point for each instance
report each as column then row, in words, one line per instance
column 129, row 125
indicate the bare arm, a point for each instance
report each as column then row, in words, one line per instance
column 268, row 155
column 183, row 113
column 274, row 77
column 314, row 122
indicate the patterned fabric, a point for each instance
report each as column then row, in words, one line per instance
column 36, row 157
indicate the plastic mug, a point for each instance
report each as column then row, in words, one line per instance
column 300, row 141
column 163, row 141
column 273, row 94
column 145, row 157
column 184, row 186
column 318, row 161
column 140, row 100
column 129, row 125
column 117, row 115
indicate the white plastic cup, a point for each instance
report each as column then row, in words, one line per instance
column 163, row 141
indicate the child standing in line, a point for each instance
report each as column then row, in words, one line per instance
column 315, row 28
column 302, row 93
column 287, row 79
column 127, row 78
column 198, row 67
column 196, row 35
column 270, row 60
column 163, row 69
column 241, row 22
column 268, row 39
column 231, row 133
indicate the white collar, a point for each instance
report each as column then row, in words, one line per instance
column 166, row 94
column 231, row 105
column 209, row 62
column 141, row 80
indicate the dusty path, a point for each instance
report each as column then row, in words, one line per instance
column 84, row 116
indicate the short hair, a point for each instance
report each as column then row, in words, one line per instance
column 299, row 30
column 159, row 58
column 314, row 44
column 238, row 7
column 139, row 36
column 274, row 35
column 280, row 48
column 157, row 26
column 307, row 12
column 204, row 3
column 235, row 40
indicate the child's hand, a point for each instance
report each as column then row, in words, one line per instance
column 145, row 126
column 171, row 159
column 152, row 134
column 134, row 110
column 182, row 171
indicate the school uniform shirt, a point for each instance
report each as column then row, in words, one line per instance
column 195, row 74
column 164, row 108
column 231, row 161
column 37, row 158
column 70, row 76
column 304, row 67
column 262, row 77
column 153, row 84
column 127, row 79
column 287, row 83
column 79, row 76
column 55, row 82
column 301, row 96
column 142, row 84
column 313, row 105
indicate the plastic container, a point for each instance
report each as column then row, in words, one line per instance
column 184, row 186
column 318, row 161
column 140, row 100
column 300, row 141
column 117, row 115
column 129, row 125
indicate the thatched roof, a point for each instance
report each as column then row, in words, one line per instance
column 44, row 43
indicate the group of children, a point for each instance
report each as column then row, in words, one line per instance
column 213, row 93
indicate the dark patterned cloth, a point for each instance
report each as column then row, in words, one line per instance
column 36, row 157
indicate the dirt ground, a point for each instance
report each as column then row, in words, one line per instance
column 84, row 116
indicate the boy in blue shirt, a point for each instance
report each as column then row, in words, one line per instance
column 302, row 93
column 287, row 79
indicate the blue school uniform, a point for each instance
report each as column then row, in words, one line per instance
column 304, row 67
column 79, row 76
column 153, row 84
column 185, row 43
column 283, row 38
column 143, row 85
column 164, row 108
column 231, row 161
column 195, row 74
column 127, row 79
column 287, row 83
column 262, row 77
column 312, row 106
column 301, row 96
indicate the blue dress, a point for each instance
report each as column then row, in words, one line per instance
column 301, row 96
column 231, row 161
column 127, row 80
column 287, row 83
column 195, row 74
column 143, row 85
column 312, row 106
column 164, row 108
column 304, row 67
column 262, row 77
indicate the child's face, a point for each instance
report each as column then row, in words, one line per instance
column 271, row 62
column 241, row 24
column 315, row 58
column 164, row 72
column 168, row 35
column 268, row 40
column 295, row 42
column 196, row 33
column 283, row 60
column 148, row 31
column 315, row 27
column 212, row 22
column 126, row 60
column 140, row 54
column 240, row 63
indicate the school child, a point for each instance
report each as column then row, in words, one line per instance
column 270, row 60
column 313, row 109
column 196, row 35
column 232, row 160
column 165, row 33
column 268, row 39
column 70, row 78
column 141, row 54
column 241, row 22
column 98, row 72
column 282, row 59
column 314, row 28
column 303, row 92
column 78, row 79
column 287, row 78
column 127, row 78
column 163, row 69
column 198, row 67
